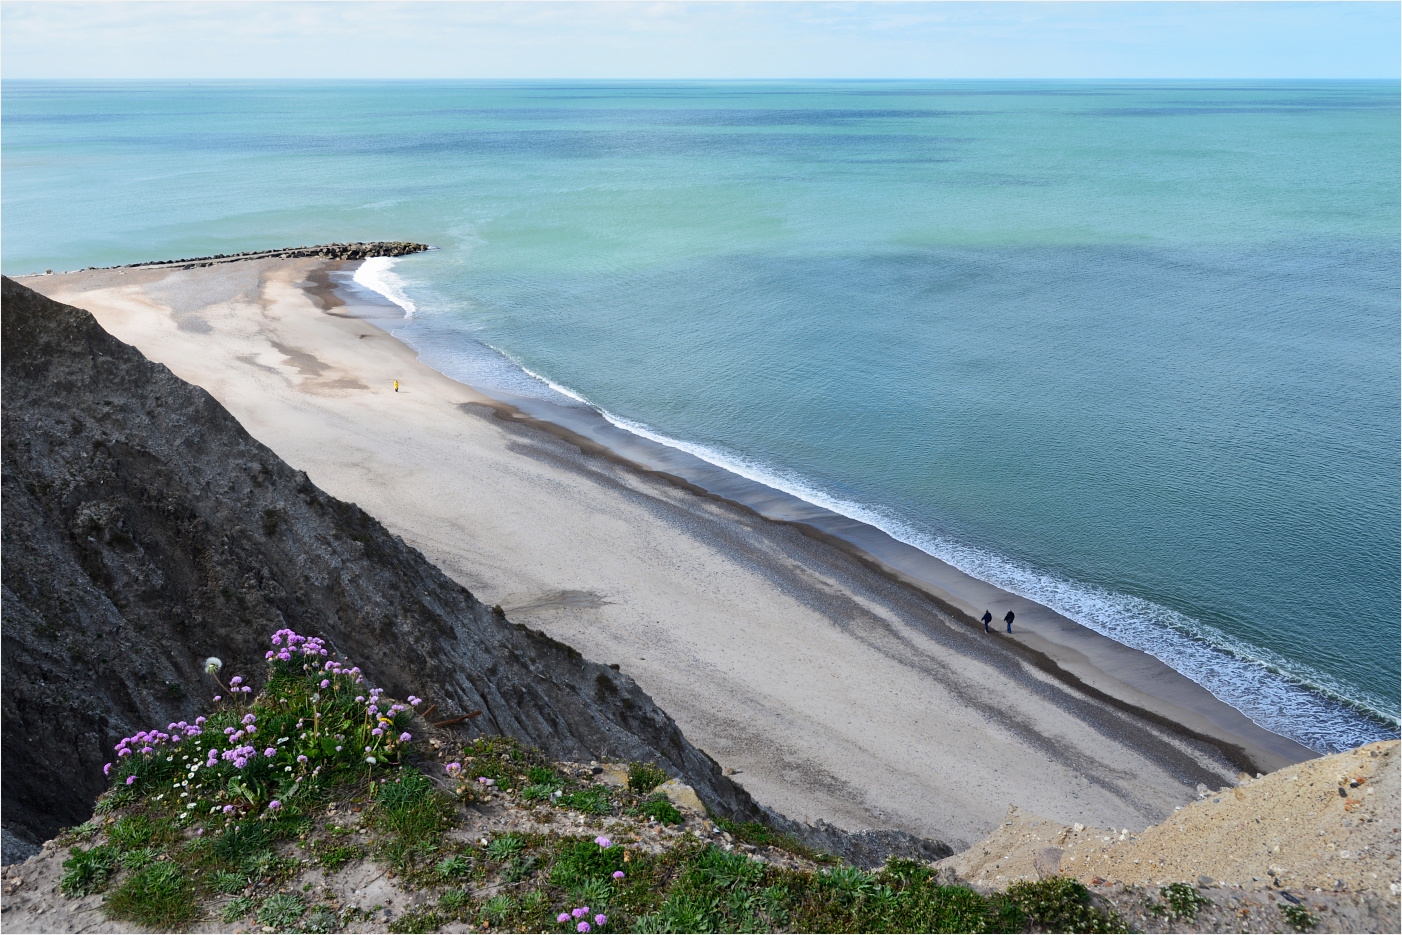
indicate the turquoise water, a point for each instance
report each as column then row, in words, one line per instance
column 1127, row 349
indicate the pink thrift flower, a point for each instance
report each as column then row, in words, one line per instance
column 228, row 809
column 580, row 913
column 301, row 758
column 600, row 919
column 325, row 683
column 131, row 779
column 274, row 805
column 270, row 752
column 603, row 842
column 218, row 697
column 405, row 737
column 563, row 917
column 107, row 770
column 583, row 926
column 617, row 875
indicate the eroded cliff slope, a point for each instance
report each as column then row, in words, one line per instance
column 144, row 530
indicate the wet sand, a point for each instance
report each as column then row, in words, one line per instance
column 841, row 676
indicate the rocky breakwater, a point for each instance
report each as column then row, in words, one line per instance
column 330, row 251
column 145, row 530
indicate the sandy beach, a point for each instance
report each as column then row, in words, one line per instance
column 836, row 686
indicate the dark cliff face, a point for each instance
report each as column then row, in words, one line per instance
column 144, row 530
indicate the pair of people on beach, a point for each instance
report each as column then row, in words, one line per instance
column 988, row 618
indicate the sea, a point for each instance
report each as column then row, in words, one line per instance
column 1128, row 349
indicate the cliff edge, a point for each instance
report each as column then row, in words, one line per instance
column 144, row 530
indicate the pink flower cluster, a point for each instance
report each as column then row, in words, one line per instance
column 335, row 668
column 295, row 644
column 149, row 740
column 582, row 913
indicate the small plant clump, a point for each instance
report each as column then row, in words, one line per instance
column 1182, row 900
column 644, row 777
column 1299, row 917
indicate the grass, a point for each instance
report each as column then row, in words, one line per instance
column 454, row 867
column 227, row 881
column 88, row 871
column 320, row 920
column 1060, row 904
column 592, row 800
column 190, row 832
column 281, row 910
column 236, row 909
column 333, row 857
column 422, row 920
column 752, row 832
column 644, row 777
column 158, row 896
column 505, row 846
column 659, row 808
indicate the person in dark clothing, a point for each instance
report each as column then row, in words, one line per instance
column 987, row 619
column 1009, row 621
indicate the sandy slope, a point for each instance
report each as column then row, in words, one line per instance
column 1327, row 825
column 834, row 692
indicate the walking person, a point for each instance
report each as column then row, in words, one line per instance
column 987, row 619
column 396, row 386
column 1009, row 621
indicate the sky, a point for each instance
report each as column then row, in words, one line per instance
column 707, row 40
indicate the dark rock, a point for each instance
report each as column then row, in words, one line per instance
column 134, row 547
column 15, row 849
column 868, row 849
column 136, row 543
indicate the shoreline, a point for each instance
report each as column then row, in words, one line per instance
column 1059, row 646
column 834, row 688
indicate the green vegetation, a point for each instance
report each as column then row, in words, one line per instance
column 158, row 896
column 88, row 871
column 1060, row 904
column 658, row 808
column 219, row 819
column 1183, row 900
column 239, row 908
column 1298, row 916
column 593, row 800
column 644, row 777
column 752, row 832
column 281, row 910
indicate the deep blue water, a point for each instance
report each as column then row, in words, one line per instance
column 1128, row 349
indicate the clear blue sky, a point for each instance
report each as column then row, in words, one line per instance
column 700, row 40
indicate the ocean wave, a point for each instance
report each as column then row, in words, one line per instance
column 377, row 274
column 1281, row 695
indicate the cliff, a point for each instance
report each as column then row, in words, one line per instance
column 145, row 530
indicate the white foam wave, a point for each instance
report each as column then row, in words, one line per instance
column 377, row 274
column 1281, row 695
